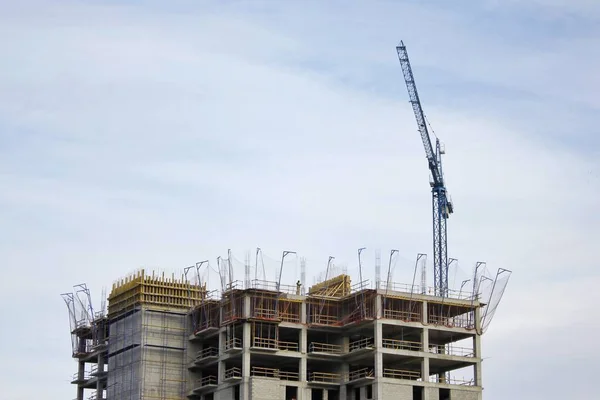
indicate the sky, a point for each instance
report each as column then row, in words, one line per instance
column 158, row 134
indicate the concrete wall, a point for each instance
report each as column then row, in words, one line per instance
column 456, row 394
column 432, row 394
column 224, row 394
column 266, row 389
column 124, row 364
column 391, row 391
column 146, row 359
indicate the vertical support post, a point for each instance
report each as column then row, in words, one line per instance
column 245, row 392
column 477, row 347
column 80, row 378
column 377, row 385
column 425, row 362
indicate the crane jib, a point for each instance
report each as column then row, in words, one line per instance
column 442, row 207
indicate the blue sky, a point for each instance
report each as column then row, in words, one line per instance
column 154, row 134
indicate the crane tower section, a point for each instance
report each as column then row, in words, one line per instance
column 441, row 205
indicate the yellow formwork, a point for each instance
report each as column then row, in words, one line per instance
column 338, row 286
column 140, row 288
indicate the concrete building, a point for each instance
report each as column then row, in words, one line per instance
column 170, row 339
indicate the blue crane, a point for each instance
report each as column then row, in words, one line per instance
column 442, row 205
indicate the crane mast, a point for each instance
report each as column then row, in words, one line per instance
column 441, row 205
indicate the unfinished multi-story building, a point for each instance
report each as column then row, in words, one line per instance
column 169, row 339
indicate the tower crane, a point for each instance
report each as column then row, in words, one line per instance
column 441, row 203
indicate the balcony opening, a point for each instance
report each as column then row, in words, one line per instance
column 316, row 394
column 333, row 394
column 417, row 393
column 445, row 394
column 291, row 393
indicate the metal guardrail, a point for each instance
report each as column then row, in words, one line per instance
column 361, row 373
column 207, row 352
column 274, row 373
column 460, row 321
column 272, row 286
column 324, row 377
column 86, row 376
column 316, row 347
column 418, row 289
column 451, row 350
column 265, row 343
column 401, row 374
column 289, row 317
column 402, row 315
column 365, row 343
column 453, row 381
column 234, row 343
column 268, row 343
column 233, row 372
column 206, row 381
column 323, row 319
column 289, row 346
column 266, row 313
column 401, row 345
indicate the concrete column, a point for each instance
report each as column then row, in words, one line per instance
column 344, row 372
column 378, row 307
column 80, row 377
column 425, row 362
column 100, row 382
column 303, row 351
column 477, row 347
column 378, row 348
column 377, row 386
column 424, row 318
column 245, row 385
column 303, row 312
column 247, row 306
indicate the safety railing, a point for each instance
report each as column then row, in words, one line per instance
column 86, row 375
column 402, row 315
column 233, row 343
column 418, row 289
column 95, row 372
column 401, row 374
column 206, row 353
column 206, row 381
column 451, row 350
column 289, row 346
column 361, row 373
column 357, row 287
column 323, row 319
column 274, row 373
column 460, row 321
column 268, row 343
column 208, row 323
column 401, row 345
column 452, row 381
column 272, row 286
column 289, row 317
column 265, row 313
column 365, row 343
column 315, row 347
column 324, row 377
column 233, row 372
column 265, row 343
column 398, row 287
